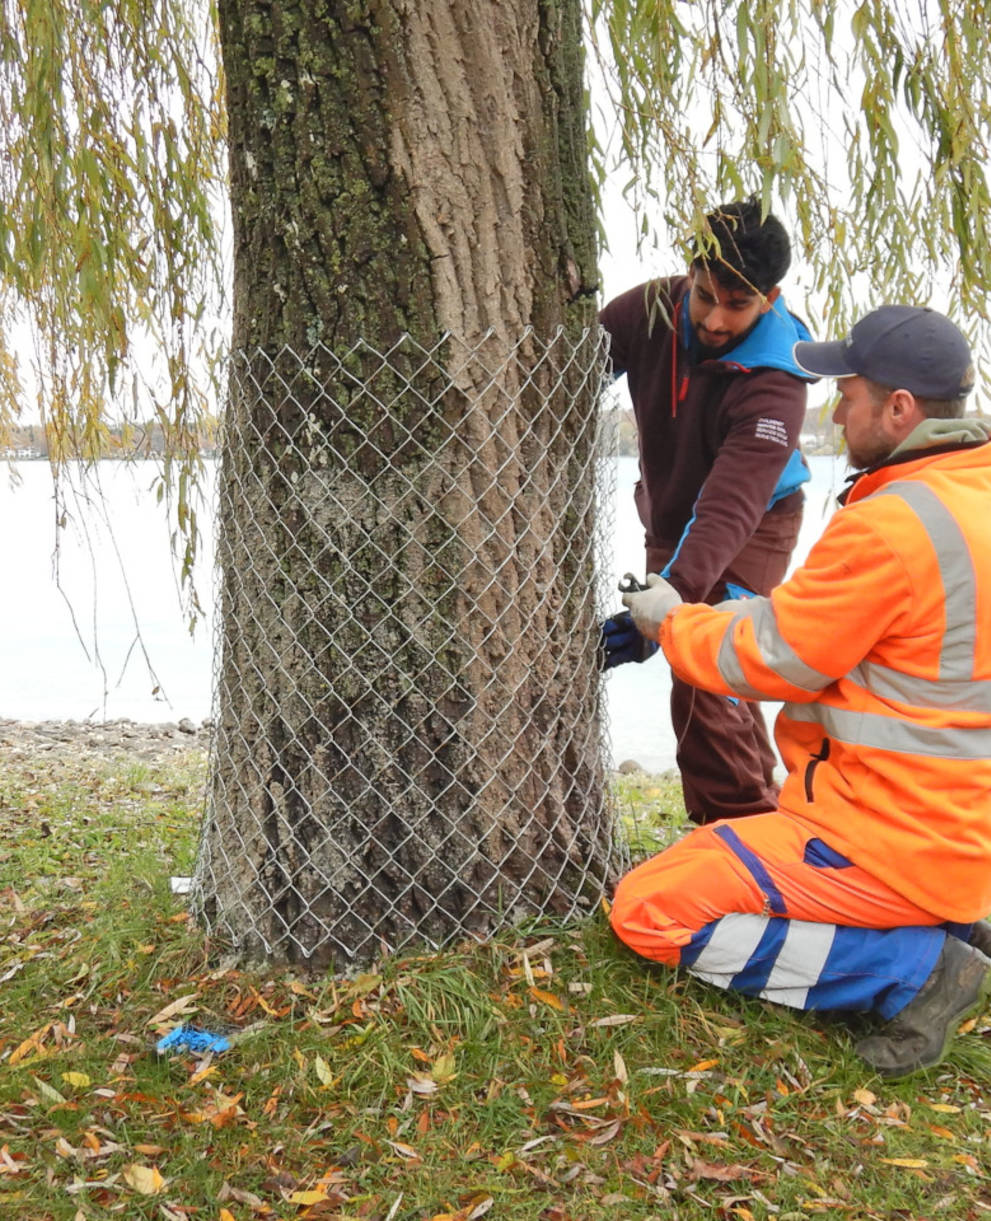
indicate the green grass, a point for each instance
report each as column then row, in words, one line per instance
column 546, row 1076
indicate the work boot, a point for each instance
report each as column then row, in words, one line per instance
column 980, row 937
column 918, row 1037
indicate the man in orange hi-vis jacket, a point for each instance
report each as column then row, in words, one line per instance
column 866, row 889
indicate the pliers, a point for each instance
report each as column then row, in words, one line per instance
column 630, row 584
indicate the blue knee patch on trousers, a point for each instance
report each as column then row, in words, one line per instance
column 876, row 969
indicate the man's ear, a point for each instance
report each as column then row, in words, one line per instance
column 903, row 412
column 770, row 297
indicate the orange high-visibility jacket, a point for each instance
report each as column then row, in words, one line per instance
column 881, row 647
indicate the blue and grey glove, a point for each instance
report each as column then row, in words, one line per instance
column 621, row 642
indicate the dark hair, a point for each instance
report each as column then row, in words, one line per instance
column 746, row 246
column 932, row 409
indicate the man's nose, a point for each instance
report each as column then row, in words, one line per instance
column 714, row 319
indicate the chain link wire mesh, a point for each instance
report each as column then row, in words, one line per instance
column 410, row 740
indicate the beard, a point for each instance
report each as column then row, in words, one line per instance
column 867, row 454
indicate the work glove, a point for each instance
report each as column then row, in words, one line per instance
column 649, row 607
column 621, row 642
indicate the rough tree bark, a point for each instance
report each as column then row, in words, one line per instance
column 407, row 734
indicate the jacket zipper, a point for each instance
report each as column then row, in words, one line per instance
column 813, row 763
column 676, row 395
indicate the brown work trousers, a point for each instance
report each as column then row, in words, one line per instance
column 723, row 753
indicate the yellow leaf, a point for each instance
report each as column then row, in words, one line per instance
column 209, row 1071
column 80, row 1080
column 307, row 1197
column 30, row 1044
column 945, row 1108
column 864, row 1097
column 702, row 1066
column 322, row 1070
column 226, row 1215
column 945, row 1133
column 144, row 1179
column 548, row 998
column 264, row 1004
column 443, row 1069
column 910, row 1163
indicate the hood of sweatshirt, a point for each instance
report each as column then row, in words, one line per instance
column 767, row 345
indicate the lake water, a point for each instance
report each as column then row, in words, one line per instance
column 99, row 632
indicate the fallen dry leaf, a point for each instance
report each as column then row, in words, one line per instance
column 547, row 998
column 406, row 1151
column 718, row 1171
column 144, row 1179
column 184, row 1005
column 307, row 1197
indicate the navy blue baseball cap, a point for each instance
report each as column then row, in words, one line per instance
column 905, row 347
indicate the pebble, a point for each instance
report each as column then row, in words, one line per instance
column 148, row 743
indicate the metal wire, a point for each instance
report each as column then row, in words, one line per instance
column 409, row 739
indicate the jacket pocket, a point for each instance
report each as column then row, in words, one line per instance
column 810, row 770
column 819, row 854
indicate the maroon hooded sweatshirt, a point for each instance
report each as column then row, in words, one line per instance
column 718, row 438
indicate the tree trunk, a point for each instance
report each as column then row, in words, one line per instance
column 408, row 737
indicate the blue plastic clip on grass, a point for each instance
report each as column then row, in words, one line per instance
column 188, row 1038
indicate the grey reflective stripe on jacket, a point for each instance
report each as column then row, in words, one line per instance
column 879, row 732
column 775, row 652
column 955, row 689
column 948, row 694
column 956, row 569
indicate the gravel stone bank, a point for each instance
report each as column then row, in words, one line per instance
column 106, row 739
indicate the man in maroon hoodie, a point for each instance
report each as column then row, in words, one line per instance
column 719, row 405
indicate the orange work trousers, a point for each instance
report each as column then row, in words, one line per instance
column 765, row 864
